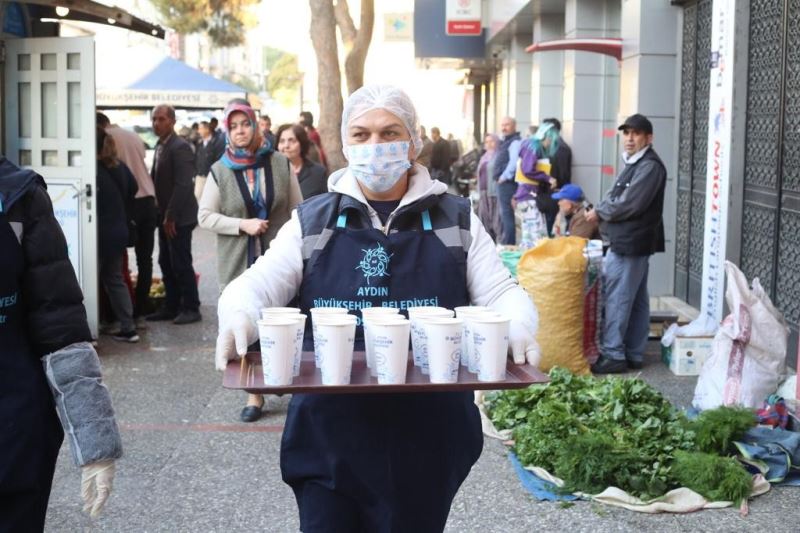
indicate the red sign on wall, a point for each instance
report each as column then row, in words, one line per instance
column 463, row 17
column 463, row 27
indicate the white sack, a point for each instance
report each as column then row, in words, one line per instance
column 747, row 363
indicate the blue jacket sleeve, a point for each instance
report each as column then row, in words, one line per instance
column 513, row 156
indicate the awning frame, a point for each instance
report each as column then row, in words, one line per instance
column 606, row 46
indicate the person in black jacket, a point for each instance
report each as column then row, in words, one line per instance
column 561, row 172
column 631, row 225
column 116, row 189
column 47, row 363
column 173, row 172
column 293, row 142
column 440, row 157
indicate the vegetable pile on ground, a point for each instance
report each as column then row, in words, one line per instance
column 596, row 433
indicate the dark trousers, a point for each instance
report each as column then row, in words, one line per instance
column 175, row 259
column 146, row 220
column 505, row 192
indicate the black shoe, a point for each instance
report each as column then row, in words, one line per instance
column 250, row 413
column 125, row 336
column 635, row 365
column 604, row 365
column 187, row 317
column 161, row 315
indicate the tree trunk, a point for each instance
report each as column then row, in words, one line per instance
column 356, row 41
column 323, row 37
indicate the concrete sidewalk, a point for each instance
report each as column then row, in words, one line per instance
column 190, row 465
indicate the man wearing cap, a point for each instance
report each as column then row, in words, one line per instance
column 571, row 219
column 632, row 227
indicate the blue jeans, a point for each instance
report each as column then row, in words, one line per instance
column 505, row 192
column 627, row 319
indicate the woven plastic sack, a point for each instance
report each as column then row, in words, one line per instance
column 748, row 358
column 553, row 275
column 593, row 301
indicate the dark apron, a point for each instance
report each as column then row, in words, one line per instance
column 30, row 434
column 381, row 462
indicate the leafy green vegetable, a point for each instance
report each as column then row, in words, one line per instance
column 593, row 433
column 717, row 429
column 716, row 478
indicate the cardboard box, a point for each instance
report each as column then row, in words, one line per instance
column 687, row 354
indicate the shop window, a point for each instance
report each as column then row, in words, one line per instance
column 49, row 61
column 24, row 96
column 50, row 158
column 49, row 110
column 74, row 110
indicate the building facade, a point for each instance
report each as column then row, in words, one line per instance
column 663, row 71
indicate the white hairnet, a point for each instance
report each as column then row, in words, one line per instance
column 392, row 99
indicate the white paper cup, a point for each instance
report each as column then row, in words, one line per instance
column 334, row 341
column 466, row 312
column 316, row 314
column 367, row 319
column 268, row 312
column 390, row 348
column 444, row 347
column 300, row 330
column 490, row 346
column 277, row 339
column 418, row 345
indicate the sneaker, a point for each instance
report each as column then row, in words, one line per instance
column 605, row 365
column 126, row 336
column 161, row 315
column 187, row 317
column 635, row 365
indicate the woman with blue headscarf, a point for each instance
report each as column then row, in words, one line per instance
column 248, row 198
column 378, row 462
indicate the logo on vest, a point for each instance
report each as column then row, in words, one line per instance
column 375, row 263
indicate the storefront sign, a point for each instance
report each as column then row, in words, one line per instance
column 720, row 100
column 151, row 98
column 463, row 17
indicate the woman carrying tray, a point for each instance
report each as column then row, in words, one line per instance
column 387, row 234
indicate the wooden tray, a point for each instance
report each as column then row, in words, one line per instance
column 249, row 377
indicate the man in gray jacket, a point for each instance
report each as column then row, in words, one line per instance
column 632, row 227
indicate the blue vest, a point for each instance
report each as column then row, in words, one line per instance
column 399, row 458
column 348, row 263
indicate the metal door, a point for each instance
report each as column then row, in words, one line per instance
column 50, row 128
column 690, row 224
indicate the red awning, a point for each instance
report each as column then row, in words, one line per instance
column 606, row 46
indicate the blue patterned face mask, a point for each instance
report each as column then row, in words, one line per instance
column 379, row 167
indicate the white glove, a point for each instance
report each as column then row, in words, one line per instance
column 96, row 481
column 523, row 345
column 516, row 304
column 234, row 337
